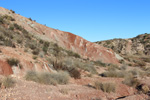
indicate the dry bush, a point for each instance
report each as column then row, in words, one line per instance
column 105, row 87
column 112, row 67
column 32, row 76
column 48, row 78
column 8, row 82
column 13, row 61
column 61, row 77
column 140, row 63
column 100, row 63
column 130, row 80
column 74, row 72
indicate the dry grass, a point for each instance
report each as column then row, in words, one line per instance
column 105, row 87
column 131, row 81
column 8, row 82
column 48, row 78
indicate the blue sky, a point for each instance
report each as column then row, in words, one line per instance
column 93, row 20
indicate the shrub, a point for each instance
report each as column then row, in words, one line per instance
column 105, row 87
column 99, row 63
column 131, row 81
column 112, row 67
column 8, row 82
column 61, row 77
column 56, row 49
column 32, row 76
column 18, row 27
column 7, row 17
column 1, row 20
column 140, row 63
column 12, row 11
column 71, row 53
column 36, row 51
column 87, row 66
column 2, row 37
column 13, row 61
column 8, row 42
column 19, row 41
column 11, row 28
column 58, row 65
column 45, row 49
column 48, row 78
column 32, row 46
column 30, row 19
column 75, row 73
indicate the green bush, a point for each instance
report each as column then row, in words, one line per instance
column 8, row 82
column 105, row 87
column 13, row 61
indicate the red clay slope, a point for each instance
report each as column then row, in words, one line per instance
column 65, row 39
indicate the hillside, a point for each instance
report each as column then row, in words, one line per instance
column 66, row 40
column 41, row 63
column 138, row 45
